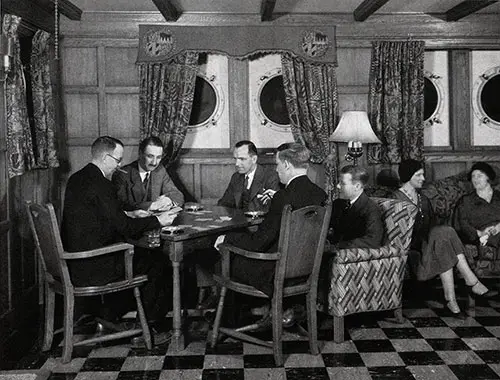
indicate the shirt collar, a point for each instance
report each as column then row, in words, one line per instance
column 291, row 179
column 355, row 199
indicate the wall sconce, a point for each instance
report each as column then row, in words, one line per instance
column 355, row 129
column 6, row 50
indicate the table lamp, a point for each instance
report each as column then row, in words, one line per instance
column 355, row 129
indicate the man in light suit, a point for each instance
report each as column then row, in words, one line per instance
column 356, row 219
column 145, row 184
column 252, row 186
column 93, row 218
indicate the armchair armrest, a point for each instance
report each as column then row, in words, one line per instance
column 226, row 249
column 355, row 255
column 97, row 252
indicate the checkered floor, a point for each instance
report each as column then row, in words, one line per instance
column 426, row 346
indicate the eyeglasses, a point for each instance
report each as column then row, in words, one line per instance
column 118, row 160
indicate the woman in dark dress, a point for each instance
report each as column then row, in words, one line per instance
column 438, row 246
column 477, row 214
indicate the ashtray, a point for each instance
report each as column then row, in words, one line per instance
column 169, row 230
column 255, row 214
column 190, row 206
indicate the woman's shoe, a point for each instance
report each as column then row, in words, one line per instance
column 452, row 310
column 489, row 293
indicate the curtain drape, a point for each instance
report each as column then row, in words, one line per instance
column 43, row 102
column 312, row 102
column 396, row 100
column 20, row 154
column 166, row 99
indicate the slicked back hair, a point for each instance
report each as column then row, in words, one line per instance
column 151, row 140
column 104, row 145
column 296, row 154
column 252, row 149
column 358, row 173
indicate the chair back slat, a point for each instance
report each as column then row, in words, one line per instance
column 45, row 231
column 302, row 238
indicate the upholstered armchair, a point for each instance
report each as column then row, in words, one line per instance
column 365, row 279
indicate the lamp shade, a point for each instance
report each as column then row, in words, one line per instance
column 354, row 126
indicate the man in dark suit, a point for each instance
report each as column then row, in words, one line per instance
column 93, row 217
column 356, row 219
column 252, row 186
column 145, row 184
column 292, row 161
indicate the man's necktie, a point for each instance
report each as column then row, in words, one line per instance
column 245, row 183
column 146, row 179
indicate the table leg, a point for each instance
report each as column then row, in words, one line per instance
column 177, row 343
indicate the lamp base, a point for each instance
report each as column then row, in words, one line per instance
column 353, row 154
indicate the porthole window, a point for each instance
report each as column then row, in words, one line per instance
column 486, row 105
column 433, row 99
column 208, row 103
column 270, row 103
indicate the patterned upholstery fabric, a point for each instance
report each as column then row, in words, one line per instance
column 365, row 279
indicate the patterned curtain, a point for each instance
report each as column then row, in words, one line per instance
column 43, row 102
column 20, row 154
column 312, row 102
column 396, row 100
column 166, row 99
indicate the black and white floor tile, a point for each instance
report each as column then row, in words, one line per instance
column 426, row 346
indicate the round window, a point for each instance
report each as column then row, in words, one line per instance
column 433, row 99
column 489, row 98
column 270, row 101
column 486, row 105
column 207, row 103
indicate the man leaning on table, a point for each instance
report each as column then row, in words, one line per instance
column 145, row 184
column 251, row 186
column 292, row 162
column 93, row 218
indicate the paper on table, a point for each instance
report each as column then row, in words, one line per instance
column 203, row 219
column 225, row 218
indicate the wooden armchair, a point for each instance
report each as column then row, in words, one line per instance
column 301, row 244
column 57, row 279
column 366, row 279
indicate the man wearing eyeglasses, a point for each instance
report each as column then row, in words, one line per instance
column 93, row 218
column 145, row 184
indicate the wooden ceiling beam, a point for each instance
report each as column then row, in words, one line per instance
column 267, row 9
column 466, row 8
column 68, row 9
column 31, row 13
column 168, row 9
column 367, row 8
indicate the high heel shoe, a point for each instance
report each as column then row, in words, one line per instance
column 447, row 312
column 488, row 294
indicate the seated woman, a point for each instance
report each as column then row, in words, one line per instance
column 477, row 214
column 439, row 246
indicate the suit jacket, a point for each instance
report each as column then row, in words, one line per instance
column 299, row 193
column 263, row 179
column 357, row 226
column 93, row 218
column 133, row 195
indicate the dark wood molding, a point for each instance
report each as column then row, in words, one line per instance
column 367, row 8
column 466, row 8
column 460, row 116
column 267, row 9
column 31, row 13
column 68, row 9
column 167, row 9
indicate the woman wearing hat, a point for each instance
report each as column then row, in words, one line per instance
column 435, row 249
column 477, row 215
